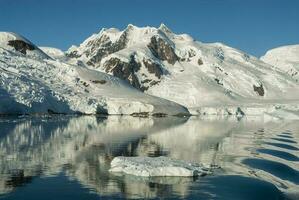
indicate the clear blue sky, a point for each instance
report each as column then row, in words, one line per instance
column 250, row 25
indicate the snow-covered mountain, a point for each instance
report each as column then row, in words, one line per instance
column 285, row 58
column 178, row 68
column 144, row 70
column 32, row 82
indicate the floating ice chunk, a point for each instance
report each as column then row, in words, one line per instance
column 156, row 166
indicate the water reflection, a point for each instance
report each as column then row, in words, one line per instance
column 82, row 148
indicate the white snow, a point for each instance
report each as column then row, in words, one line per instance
column 5, row 37
column 54, row 53
column 155, row 166
column 195, row 86
column 35, row 85
column 223, row 84
column 226, row 78
column 285, row 58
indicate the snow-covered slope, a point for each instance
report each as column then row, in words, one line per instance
column 285, row 58
column 31, row 82
column 178, row 68
column 54, row 53
column 20, row 45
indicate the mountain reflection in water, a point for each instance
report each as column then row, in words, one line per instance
column 258, row 159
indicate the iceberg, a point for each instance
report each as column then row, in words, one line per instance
column 156, row 166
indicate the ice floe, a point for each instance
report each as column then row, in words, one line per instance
column 156, row 166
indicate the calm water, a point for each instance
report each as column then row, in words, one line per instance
column 69, row 157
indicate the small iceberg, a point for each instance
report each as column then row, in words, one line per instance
column 156, row 166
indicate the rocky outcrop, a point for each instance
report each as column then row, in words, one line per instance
column 218, row 81
column 162, row 50
column 104, row 47
column 128, row 71
column 110, row 41
column 199, row 61
column 123, row 70
column 100, row 47
column 72, row 54
column 21, row 46
column 153, row 67
column 259, row 90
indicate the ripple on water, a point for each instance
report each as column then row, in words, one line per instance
column 277, row 169
column 70, row 157
column 280, row 154
column 286, row 133
column 285, row 136
column 281, row 145
column 284, row 140
column 229, row 187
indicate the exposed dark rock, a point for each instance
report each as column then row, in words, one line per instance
column 73, row 54
column 90, row 63
column 85, row 84
column 294, row 73
column 77, row 80
column 141, row 114
column 101, row 47
column 105, row 47
column 239, row 112
column 246, row 57
column 123, row 70
column 199, row 61
column 154, row 82
column 143, row 88
column 146, row 81
column 218, row 81
column 191, row 53
column 21, row 46
column 219, row 68
column 259, row 89
column 220, row 54
column 153, row 68
column 162, row 50
column 151, row 83
column 99, row 81
column 101, row 110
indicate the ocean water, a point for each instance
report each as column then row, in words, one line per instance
column 68, row 157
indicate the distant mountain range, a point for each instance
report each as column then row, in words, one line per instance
column 145, row 71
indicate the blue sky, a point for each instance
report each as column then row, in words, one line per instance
column 253, row 26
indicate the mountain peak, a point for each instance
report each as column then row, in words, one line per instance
column 131, row 27
column 164, row 28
